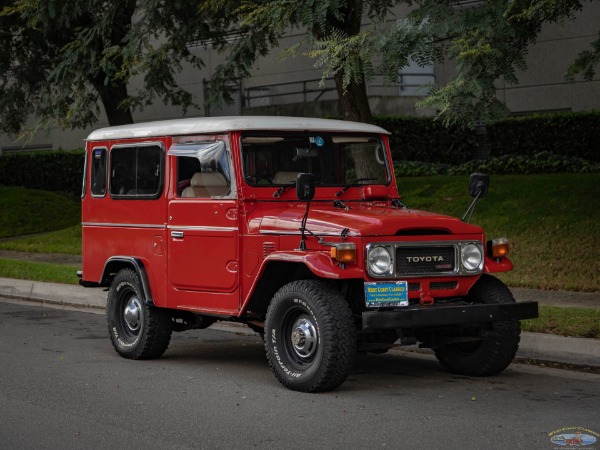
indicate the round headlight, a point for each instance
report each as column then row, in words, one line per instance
column 471, row 257
column 380, row 261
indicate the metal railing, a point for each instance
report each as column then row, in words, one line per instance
column 304, row 89
column 312, row 90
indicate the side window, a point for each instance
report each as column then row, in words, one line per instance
column 136, row 171
column 98, row 175
column 202, row 169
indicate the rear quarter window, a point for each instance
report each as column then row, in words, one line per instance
column 98, row 174
column 136, row 171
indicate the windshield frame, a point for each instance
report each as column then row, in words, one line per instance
column 335, row 143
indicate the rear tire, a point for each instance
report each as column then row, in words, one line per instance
column 494, row 354
column 310, row 337
column 137, row 330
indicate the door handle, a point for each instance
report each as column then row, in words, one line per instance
column 177, row 234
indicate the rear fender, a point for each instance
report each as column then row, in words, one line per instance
column 117, row 263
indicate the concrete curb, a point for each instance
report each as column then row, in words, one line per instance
column 547, row 347
column 566, row 350
column 53, row 293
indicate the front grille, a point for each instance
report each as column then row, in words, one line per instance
column 414, row 287
column 434, row 286
column 420, row 259
column 425, row 260
column 443, row 285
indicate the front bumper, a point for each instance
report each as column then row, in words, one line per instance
column 419, row 316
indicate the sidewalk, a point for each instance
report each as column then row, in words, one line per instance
column 546, row 347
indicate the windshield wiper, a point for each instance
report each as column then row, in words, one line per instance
column 397, row 203
column 345, row 188
column 282, row 189
column 340, row 204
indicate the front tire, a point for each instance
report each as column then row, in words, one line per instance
column 491, row 355
column 137, row 330
column 310, row 337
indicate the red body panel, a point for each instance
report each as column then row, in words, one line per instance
column 207, row 254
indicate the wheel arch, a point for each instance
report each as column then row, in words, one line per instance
column 281, row 268
column 117, row 263
column 273, row 276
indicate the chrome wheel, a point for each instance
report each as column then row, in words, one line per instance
column 304, row 337
column 132, row 314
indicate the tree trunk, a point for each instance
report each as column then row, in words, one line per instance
column 114, row 93
column 353, row 100
column 353, row 103
column 354, row 106
column 112, row 97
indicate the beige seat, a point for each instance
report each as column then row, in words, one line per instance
column 206, row 184
column 285, row 177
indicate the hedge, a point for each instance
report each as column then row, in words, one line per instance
column 568, row 134
column 543, row 162
column 424, row 139
column 562, row 142
column 60, row 170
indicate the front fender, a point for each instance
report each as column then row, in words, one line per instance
column 319, row 263
column 492, row 265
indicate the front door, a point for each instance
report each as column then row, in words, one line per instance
column 203, row 232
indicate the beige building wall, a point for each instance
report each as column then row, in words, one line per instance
column 541, row 88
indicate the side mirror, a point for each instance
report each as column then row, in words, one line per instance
column 305, row 186
column 478, row 184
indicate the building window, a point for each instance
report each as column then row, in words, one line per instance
column 414, row 79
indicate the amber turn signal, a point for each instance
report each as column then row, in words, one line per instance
column 344, row 252
column 498, row 248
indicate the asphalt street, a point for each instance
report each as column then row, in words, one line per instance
column 538, row 346
column 63, row 386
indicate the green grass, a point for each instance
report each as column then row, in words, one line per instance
column 552, row 222
column 574, row 322
column 66, row 241
column 36, row 271
column 29, row 211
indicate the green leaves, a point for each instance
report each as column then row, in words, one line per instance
column 58, row 58
column 585, row 63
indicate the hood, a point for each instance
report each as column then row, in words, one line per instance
column 360, row 220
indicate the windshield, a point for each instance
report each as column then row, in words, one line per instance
column 335, row 159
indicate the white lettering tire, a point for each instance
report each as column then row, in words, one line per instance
column 137, row 330
column 310, row 337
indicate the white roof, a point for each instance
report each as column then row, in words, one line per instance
column 214, row 125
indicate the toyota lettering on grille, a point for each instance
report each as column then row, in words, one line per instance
column 418, row 259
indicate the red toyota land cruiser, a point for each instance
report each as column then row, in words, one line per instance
column 294, row 227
